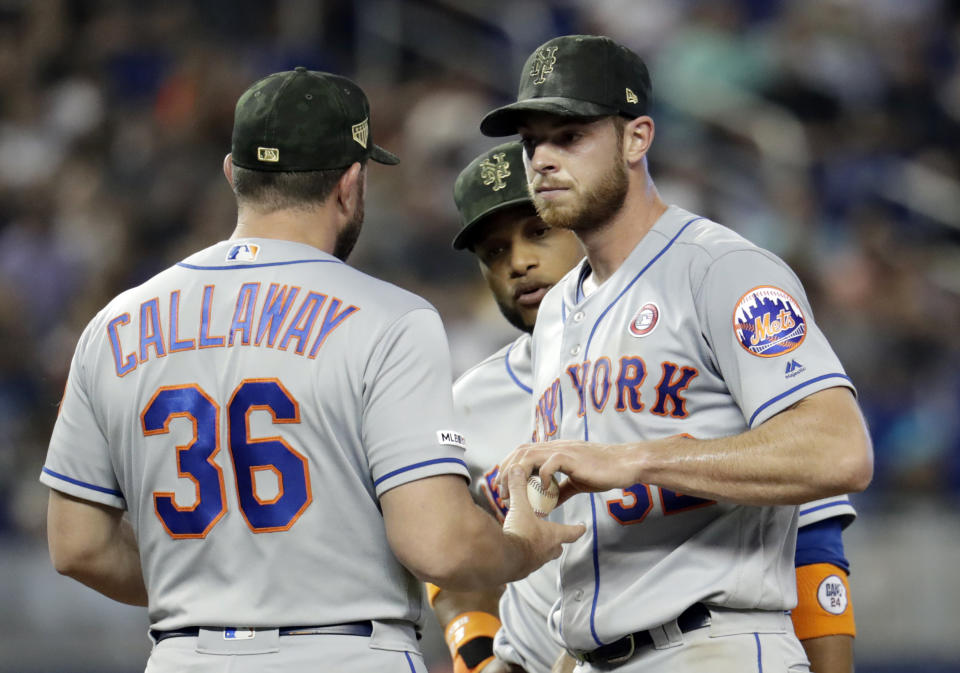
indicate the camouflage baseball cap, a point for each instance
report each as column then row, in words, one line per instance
column 576, row 76
column 303, row 120
column 492, row 182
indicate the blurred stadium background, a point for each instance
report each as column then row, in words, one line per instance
column 825, row 130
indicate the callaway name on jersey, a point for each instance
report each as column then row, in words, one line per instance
column 491, row 401
column 699, row 332
column 242, row 406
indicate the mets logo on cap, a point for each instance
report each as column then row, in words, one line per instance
column 769, row 322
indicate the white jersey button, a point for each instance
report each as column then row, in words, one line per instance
column 578, row 316
column 575, row 350
column 578, row 595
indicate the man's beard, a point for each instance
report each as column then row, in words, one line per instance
column 347, row 238
column 597, row 205
column 513, row 316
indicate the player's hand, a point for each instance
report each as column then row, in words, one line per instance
column 588, row 466
column 541, row 539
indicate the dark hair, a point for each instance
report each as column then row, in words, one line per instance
column 268, row 191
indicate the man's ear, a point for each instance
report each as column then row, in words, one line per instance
column 348, row 190
column 228, row 168
column 637, row 139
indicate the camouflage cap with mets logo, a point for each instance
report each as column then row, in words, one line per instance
column 576, row 76
column 492, row 182
column 303, row 120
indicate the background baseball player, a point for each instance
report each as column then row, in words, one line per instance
column 697, row 397
column 277, row 425
column 521, row 257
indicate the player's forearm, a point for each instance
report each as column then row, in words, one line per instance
column 818, row 448
column 114, row 571
column 829, row 654
column 441, row 536
column 95, row 545
column 482, row 556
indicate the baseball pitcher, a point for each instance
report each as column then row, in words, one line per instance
column 681, row 385
column 521, row 257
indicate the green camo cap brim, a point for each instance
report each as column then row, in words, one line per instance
column 382, row 156
column 505, row 121
column 466, row 235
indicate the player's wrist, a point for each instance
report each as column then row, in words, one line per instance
column 633, row 463
column 521, row 556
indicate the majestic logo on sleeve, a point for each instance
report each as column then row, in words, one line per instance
column 494, row 169
column 645, row 320
column 769, row 322
column 543, row 65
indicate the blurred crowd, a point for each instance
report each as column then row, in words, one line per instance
column 825, row 130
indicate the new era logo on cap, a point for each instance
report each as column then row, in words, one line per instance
column 268, row 154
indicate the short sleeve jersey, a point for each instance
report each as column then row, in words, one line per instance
column 699, row 332
column 248, row 407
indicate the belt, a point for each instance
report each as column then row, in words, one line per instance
column 348, row 629
column 695, row 617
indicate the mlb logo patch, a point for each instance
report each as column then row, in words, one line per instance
column 769, row 322
column 451, row 438
column 238, row 634
column 243, row 252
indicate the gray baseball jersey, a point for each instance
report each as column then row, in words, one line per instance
column 698, row 332
column 248, row 407
column 492, row 402
column 492, row 405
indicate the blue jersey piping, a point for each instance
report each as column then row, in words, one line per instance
column 511, row 373
column 596, row 573
column 92, row 487
column 415, row 466
column 837, row 503
column 197, row 267
column 795, row 389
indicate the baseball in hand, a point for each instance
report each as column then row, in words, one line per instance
column 542, row 500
